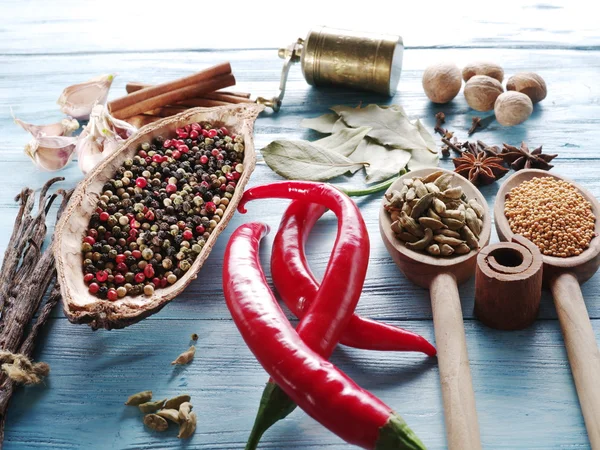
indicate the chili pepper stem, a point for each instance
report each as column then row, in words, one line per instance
column 274, row 406
column 396, row 434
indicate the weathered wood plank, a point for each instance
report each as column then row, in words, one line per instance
column 523, row 388
column 71, row 26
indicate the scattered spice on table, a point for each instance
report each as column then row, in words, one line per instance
column 186, row 357
column 552, row 214
column 521, row 158
column 156, row 213
column 429, row 214
column 475, row 124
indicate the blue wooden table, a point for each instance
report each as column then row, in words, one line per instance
column 523, row 386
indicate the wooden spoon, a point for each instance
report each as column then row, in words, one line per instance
column 441, row 276
column 563, row 276
column 78, row 304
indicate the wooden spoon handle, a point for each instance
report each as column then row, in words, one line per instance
column 462, row 427
column 582, row 349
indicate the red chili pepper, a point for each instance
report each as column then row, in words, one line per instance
column 323, row 391
column 298, row 287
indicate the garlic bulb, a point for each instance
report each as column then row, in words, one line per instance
column 65, row 127
column 51, row 152
column 78, row 100
column 102, row 136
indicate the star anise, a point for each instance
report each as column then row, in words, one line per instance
column 477, row 167
column 522, row 158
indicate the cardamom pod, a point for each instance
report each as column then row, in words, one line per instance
column 410, row 195
column 432, row 176
column 432, row 188
column 440, row 238
column 396, row 227
column 187, row 428
column 475, row 206
column 408, row 182
column 170, row 414
column 447, row 232
column 395, row 198
column 453, row 193
column 150, row 407
column 431, row 213
column 461, row 207
column 439, row 206
column 410, row 225
column 453, row 224
column 446, row 250
column 394, row 215
column 453, row 214
column 434, row 224
column 407, row 237
column 472, row 221
column 419, row 188
column 462, row 249
column 443, row 181
column 186, row 356
column 184, row 411
column 469, row 237
column 407, row 208
column 422, row 205
column 433, row 249
column 423, row 243
column 155, row 422
column 139, row 398
column 175, row 402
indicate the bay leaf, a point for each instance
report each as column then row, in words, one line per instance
column 384, row 163
column 427, row 137
column 322, row 124
column 302, row 160
column 339, row 125
column 343, row 141
column 390, row 126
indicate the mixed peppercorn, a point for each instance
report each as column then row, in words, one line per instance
column 155, row 215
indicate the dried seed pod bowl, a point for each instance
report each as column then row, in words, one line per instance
column 79, row 305
column 563, row 276
column 441, row 275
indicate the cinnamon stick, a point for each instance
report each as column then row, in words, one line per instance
column 163, row 88
column 134, row 86
column 141, row 120
column 171, row 97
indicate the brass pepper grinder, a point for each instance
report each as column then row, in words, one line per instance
column 334, row 57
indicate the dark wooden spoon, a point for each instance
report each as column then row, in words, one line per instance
column 563, row 276
column 441, row 275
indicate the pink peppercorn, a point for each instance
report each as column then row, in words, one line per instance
column 171, row 188
column 88, row 277
column 176, row 154
column 183, row 148
column 119, row 279
column 193, row 134
column 212, row 133
column 141, row 182
column 136, row 254
column 101, row 276
column 90, row 240
column 157, row 159
column 122, row 267
column 139, row 277
column 93, row 288
column 200, row 229
column 167, row 143
column 104, row 216
column 187, row 235
column 204, row 159
column 196, row 127
column 120, row 258
column 205, row 133
column 210, row 207
column 225, row 131
column 149, row 271
column 142, row 154
column 112, row 295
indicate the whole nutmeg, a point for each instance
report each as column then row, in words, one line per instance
column 530, row 84
column 482, row 91
column 512, row 108
column 442, row 82
column 483, row 68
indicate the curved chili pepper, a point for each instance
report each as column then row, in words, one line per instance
column 323, row 391
column 298, row 287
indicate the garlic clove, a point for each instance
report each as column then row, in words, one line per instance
column 89, row 153
column 51, row 152
column 103, row 124
column 65, row 127
column 78, row 100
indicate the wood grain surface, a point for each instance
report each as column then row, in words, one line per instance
column 524, row 390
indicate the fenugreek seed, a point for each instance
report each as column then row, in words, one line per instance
column 432, row 176
column 446, row 250
column 453, row 224
column 433, row 249
column 176, row 402
column 184, row 411
column 462, row 249
column 150, row 407
column 422, row 205
column 169, row 414
column 469, row 237
column 422, row 243
column 454, row 193
column 186, row 357
column 474, row 204
column 434, row 224
column 187, row 428
column 441, row 239
column 447, row 232
column 155, row 422
column 139, row 398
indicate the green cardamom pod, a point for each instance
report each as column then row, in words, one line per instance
column 433, row 249
column 422, row 205
column 175, row 402
column 447, row 240
column 184, row 411
column 432, row 176
column 434, row 224
column 139, row 398
column 186, row 356
column 150, row 407
column 446, row 250
column 155, row 422
column 423, row 243
column 187, row 428
column 447, row 232
column 170, row 414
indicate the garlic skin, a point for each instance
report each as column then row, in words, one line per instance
column 65, row 127
column 79, row 99
column 51, row 153
column 101, row 137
